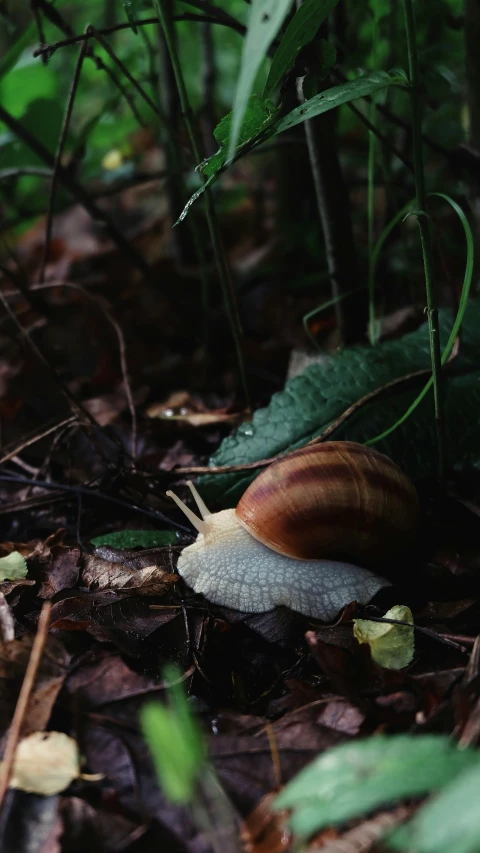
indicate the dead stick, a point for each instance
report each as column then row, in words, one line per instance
column 34, row 438
column 23, row 698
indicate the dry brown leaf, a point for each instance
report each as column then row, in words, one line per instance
column 14, row 657
column 101, row 574
column 264, row 830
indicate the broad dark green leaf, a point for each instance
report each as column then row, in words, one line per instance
column 449, row 822
column 353, row 779
column 137, row 538
column 365, row 85
column 266, row 18
column 311, row 401
column 300, row 31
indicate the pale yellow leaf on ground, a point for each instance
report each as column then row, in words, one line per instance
column 45, row 763
column 13, row 567
column 392, row 646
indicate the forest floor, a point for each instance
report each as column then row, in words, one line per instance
column 105, row 393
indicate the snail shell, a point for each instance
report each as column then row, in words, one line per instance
column 333, row 499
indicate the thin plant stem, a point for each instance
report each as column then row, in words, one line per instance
column 58, row 157
column 425, row 233
column 123, row 68
column 372, row 325
column 212, row 221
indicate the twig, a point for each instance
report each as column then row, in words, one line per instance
column 25, row 466
column 7, row 622
column 383, row 139
column 37, row 437
column 51, row 485
column 23, row 698
column 79, row 193
column 58, row 158
column 326, row 433
column 39, row 24
column 434, row 635
column 225, row 20
column 56, row 19
column 24, row 171
column 141, row 91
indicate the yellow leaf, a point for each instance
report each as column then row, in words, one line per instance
column 392, row 646
column 45, row 763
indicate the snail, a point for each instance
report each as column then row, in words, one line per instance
column 282, row 543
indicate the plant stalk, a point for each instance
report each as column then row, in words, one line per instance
column 425, row 232
column 223, row 268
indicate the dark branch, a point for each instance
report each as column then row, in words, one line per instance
column 224, row 21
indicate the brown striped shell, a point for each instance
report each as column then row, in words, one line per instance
column 333, row 499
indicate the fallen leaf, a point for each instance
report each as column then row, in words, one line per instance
column 62, row 573
column 45, row 763
column 14, row 657
column 13, row 567
column 392, row 646
column 100, row 575
column 265, row 831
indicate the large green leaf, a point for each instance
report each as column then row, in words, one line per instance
column 266, row 18
column 300, row 31
column 352, row 779
column 450, row 822
column 311, row 401
column 361, row 87
column 260, row 125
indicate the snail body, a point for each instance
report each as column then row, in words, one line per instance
column 325, row 500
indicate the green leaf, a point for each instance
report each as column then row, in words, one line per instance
column 258, row 118
column 137, row 539
column 176, row 744
column 258, row 115
column 301, row 30
column 352, row 779
column 13, row 567
column 266, row 18
column 391, row 646
column 131, row 11
column 365, row 85
column 449, row 822
column 311, row 401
